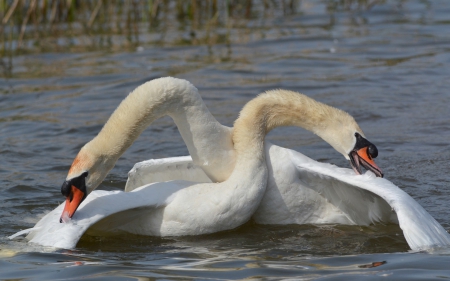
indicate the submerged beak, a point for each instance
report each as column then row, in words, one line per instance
column 74, row 200
column 362, row 155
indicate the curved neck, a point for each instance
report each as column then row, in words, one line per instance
column 286, row 108
column 209, row 143
column 206, row 139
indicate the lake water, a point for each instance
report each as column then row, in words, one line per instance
column 386, row 64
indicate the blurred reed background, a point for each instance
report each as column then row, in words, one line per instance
column 39, row 26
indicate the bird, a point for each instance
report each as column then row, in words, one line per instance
column 325, row 193
column 300, row 190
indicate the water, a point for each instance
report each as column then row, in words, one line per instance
column 387, row 66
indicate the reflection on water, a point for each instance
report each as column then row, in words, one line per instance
column 80, row 26
column 60, row 26
column 385, row 62
column 300, row 239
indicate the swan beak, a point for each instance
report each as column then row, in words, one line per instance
column 361, row 157
column 362, row 154
column 74, row 200
column 74, row 190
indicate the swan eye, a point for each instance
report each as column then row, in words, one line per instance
column 372, row 151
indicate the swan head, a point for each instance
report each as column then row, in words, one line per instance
column 362, row 154
column 86, row 173
column 342, row 132
column 75, row 192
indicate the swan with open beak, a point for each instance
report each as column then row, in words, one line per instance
column 362, row 155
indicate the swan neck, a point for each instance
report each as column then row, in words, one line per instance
column 207, row 140
column 285, row 108
column 137, row 111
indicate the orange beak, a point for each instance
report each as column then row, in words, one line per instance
column 367, row 161
column 72, row 202
column 362, row 154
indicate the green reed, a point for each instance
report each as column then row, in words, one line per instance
column 35, row 26
column 35, row 20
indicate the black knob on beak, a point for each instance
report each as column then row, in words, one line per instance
column 372, row 151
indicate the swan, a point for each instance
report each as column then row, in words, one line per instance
column 209, row 143
column 299, row 189
column 181, row 207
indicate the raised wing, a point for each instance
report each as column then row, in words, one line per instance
column 166, row 169
column 368, row 199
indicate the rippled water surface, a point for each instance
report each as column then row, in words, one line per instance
column 387, row 65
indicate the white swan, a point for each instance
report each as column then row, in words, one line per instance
column 181, row 207
column 210, row 145
column 300, row 188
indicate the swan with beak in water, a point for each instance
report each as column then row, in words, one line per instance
column 278, row 108
column 307, row 191
column 210, row 146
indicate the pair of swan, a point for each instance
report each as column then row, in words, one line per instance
column 273, row 184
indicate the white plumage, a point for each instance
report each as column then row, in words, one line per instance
column 299, row 189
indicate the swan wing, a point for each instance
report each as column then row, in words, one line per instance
column 98, row 206
column 369, row 199
column 166, row 169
